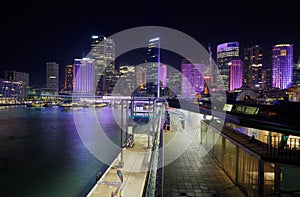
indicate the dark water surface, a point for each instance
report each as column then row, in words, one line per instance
column 41, row 153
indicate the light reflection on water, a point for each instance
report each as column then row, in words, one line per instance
column 41, row 153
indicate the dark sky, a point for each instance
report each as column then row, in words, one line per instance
column 33, row 33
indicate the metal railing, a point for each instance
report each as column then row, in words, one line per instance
column 282, row 147
column 153, row 174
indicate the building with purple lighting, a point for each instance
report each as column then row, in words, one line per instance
column 282, row 65
column 225, row 53
column 84, row 77
column 236, row 74
column 192, row 78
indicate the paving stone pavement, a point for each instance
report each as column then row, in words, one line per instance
column 192, row 174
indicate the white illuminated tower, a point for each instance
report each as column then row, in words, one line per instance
column 103, row 52
column 153, row 62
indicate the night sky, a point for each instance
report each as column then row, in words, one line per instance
column 33, row 33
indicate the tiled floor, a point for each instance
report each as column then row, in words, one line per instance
column 194, row 175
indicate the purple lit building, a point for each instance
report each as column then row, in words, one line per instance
column 84, row 77
column 192, row 79
column 282, row 66
column 236, row 74
column 225, row 53
column 163, row 75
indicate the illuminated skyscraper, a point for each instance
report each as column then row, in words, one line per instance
column 98, row 48
column 153, row 59
column 140, row 76
column 84, row 77
column 153, row 62
column 253, row 59
column 69, row 77
column 52, row 77
column 236, row 74
column 127, row 77
column 266, row 78
column 226, row 52
column 282, row 65
column 192, row 79
column 296, row 74
column 103, row 52
column 174, row 81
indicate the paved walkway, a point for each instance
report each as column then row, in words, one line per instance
column 136, row 163
column 193, row 173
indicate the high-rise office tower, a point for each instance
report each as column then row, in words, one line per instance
column 236, row 74
column 52, row 77
column 84, row 77
column 69, row 77
column 153, row 63
column 153, row 60
column 174, row 81
column 246, row 77
column 253, row 60
column 192, row 78
column 110, row 65
column 22, row 78
column 282, row 65
column 98, row 48
column 127, row 79
column 296, row 74
column 103, row 52
column 140, row 76
column 266, row 78
column 226, row 52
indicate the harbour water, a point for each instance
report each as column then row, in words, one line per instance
column 41, row 153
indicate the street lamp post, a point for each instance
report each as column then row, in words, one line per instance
column 121, row 163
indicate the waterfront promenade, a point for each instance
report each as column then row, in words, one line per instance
column 136, row 164
column 192, row 173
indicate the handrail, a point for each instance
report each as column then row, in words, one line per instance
column 150, row 191
column 151, row 179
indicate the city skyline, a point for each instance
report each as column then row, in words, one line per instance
column 63, row 36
